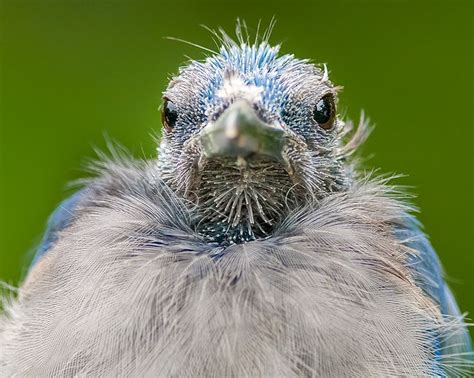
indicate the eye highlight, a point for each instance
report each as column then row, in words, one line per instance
column 324, row 112
column 169, row 115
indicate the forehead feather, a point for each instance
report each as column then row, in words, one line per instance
column 257, row 66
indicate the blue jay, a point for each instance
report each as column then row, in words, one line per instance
column 252, row 246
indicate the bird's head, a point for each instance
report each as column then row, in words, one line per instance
column 250, row 135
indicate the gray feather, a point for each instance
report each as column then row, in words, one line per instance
column 329, row 294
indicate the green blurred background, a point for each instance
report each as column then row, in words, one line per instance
column 72, row 71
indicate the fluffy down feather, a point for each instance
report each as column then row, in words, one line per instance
column 130, row 290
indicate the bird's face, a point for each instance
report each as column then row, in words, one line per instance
column 248, row 136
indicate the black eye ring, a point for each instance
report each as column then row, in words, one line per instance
column 169, row 115
column 324, row 112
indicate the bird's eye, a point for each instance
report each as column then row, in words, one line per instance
column 325, row 112
column 169, row 115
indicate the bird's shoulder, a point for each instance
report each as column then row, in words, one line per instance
column 426, row 268
column 60, row 219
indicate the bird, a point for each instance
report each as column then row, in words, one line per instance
column 254, row 244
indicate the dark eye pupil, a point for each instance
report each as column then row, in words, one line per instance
column 170, row 114
column 323, row 112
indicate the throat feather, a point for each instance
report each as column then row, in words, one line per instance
column 236, row 203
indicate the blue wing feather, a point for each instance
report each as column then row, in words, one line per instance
column 429, row 276
column 59, row 220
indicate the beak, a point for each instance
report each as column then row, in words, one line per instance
column 239, row 132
